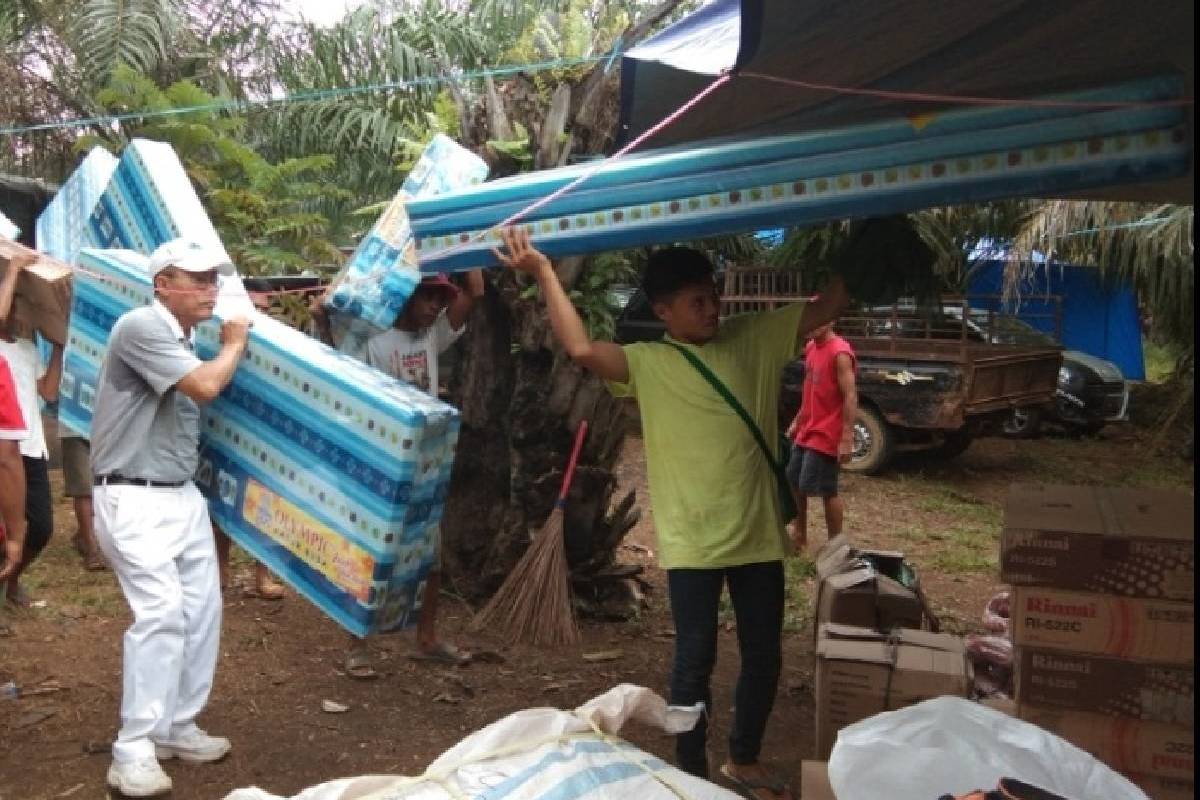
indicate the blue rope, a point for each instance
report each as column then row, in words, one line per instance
column 316, row 94
column 1142, row 223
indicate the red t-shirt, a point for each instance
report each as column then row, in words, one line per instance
column 12, row 424
column 820, row 417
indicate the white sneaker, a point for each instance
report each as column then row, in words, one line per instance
column 142, row 778
column 195, row 746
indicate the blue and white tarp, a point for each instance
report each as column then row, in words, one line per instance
column 544, row 753
column 830, row 65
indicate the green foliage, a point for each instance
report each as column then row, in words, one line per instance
column 126, row 33
column 266, row 213
column 1151, row 247
column 370, row 134
column 1160, row 359
column 517, row 150
column 590, row 293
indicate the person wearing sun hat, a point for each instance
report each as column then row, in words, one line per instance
column 433, row 319
column 152, row 522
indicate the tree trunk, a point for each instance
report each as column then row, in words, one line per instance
column 522, row 398
column 521, row 404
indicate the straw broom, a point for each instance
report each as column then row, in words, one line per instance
column 533, row 605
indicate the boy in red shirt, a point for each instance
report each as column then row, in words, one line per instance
column 823, row 431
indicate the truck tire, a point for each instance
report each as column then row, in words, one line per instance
column 874, row 441
column 954, row 443
column 1022, row 423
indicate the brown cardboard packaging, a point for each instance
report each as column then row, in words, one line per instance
column 861, row 672
column 1157, row 788
column 1108, row 686
column 43, row 298
column 866, row 588
column 814, row 781
column 1131, row 542
column 1126, row 745
column 1158, row 631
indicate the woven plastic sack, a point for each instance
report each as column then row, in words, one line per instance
column 953, row 746
column 543, row 752
column 997, row 613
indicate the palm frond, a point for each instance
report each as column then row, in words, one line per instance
column 135, row 33
column 1150, row 247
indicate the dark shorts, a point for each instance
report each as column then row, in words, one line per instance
column 77, row 473
column 813, row 474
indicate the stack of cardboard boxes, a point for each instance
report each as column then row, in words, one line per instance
column 872, row 655
column 1103, row 623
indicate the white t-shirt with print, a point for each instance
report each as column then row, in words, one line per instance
column 27, row 367
column 413, row 357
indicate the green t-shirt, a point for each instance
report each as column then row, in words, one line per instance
column 713, row 494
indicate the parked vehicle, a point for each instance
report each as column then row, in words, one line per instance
column 924, row 382
column 1091, row 391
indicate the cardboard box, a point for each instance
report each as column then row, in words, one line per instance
column 814, row 781
column 1131, row 542
column 861, row 672
column 1126, row 745
column 1108, row 686
column 1158, row 788
column 1159, row 631
column 874, row 589
column 43, row 298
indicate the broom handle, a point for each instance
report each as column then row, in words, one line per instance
column 569, row 475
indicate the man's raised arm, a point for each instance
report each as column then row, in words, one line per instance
column 605, row 359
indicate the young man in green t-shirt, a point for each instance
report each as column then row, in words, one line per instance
column 713, row 494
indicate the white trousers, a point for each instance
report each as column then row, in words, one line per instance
column 160, row 545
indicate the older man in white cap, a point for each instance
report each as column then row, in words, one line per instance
column 152, row 522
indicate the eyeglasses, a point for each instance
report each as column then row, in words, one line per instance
column 202, row 279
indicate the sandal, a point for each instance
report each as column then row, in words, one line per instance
column 20, row 598
column 358, row 664
column 94, row 562
column 442, row 653
column 266, row 589
column 750, row 787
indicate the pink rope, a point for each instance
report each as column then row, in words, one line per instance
column 667, row 121
column 973, row 100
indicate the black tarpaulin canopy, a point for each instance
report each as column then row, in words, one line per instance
column 994, row 48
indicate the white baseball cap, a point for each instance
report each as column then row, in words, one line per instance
column 190, row 257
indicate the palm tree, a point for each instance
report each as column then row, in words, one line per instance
column 57, row 55
column 1150, row 247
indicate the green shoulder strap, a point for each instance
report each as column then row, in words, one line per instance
column 727, row 395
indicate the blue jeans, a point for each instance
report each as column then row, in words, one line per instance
column 757, row 592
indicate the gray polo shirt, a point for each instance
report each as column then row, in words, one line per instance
column 142, row 426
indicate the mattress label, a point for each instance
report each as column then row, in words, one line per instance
column 337, row 558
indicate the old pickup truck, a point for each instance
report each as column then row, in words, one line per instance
column 927, row 382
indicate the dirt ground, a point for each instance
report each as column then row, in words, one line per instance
column 279, row 661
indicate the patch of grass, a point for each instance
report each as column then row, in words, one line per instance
column 945, row 500
column 800, row 589
column 965, row 550
column 1159, row 359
